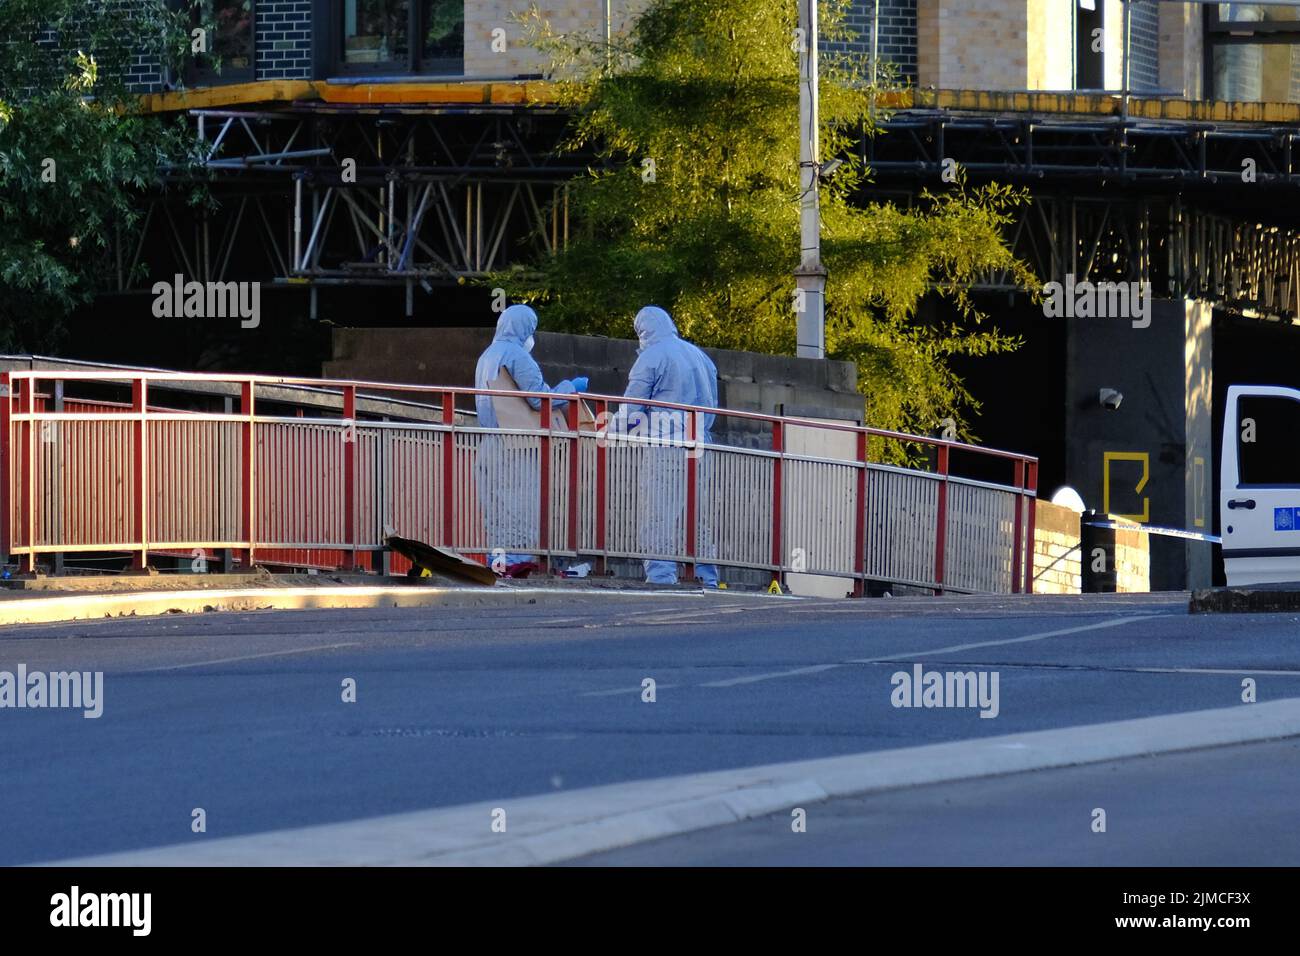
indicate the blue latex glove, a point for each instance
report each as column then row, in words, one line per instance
column 580, row 383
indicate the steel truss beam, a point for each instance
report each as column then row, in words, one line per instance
column 1032, row 147
column 416, row 197
column 1183, row 251
column 394, row 196
column 1199, row 211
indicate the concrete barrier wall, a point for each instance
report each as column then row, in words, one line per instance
column 1064, row 563
column 747, row 381
column 1056, row 550
column 1132, row 561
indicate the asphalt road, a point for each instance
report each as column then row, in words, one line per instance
column 242, row 714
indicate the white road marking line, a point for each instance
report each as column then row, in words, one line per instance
column 822, row 609
column 911, row 655
column 820, row 667
column 247, row 657
column 697, row 617
column 755, row 678
column 625, row 690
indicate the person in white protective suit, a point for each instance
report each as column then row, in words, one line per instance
column 508, row 468
column 669, row 369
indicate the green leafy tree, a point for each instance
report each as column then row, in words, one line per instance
column 76, row 155
column 695, row 111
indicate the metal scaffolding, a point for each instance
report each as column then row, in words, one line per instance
column 321, row 195
column 314, row 193
column 1199, row 210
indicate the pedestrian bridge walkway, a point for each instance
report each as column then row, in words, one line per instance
column 121, row 467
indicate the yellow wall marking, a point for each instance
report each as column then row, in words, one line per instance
column 1145, row 459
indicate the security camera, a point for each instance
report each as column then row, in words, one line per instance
column 1110, row 398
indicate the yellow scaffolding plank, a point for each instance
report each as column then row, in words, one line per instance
column 1095, row 105
column 428, row 93
column 367, row 94
column 234, row 94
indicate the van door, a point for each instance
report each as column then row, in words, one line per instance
column 1259, row 498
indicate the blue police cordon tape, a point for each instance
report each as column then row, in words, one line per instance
column 1156, row 529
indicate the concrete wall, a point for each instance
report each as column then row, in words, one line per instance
column 1028, row 44
column 1132, row 562
column 1056, row 550
column 771, row 384
column 1160, row 430
column 1064, row 558
column 565, row 16
column 973, row 46
column 1113, row 41
column 1115, row 560
column 1182, row 66
column 962, row 44
column 995, row 44
column 1198, row 514
column 1049, row 39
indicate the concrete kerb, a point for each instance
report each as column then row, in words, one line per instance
column 1263, row 599
column 556, row 827
column 53, row 607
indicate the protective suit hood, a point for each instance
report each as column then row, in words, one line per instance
column 654, row 325
column 517, row 324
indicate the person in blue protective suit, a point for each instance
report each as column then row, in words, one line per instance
column 508, row 468
column 669, row 369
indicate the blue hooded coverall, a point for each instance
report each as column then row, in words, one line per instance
column 669, row 369
column 508, row 467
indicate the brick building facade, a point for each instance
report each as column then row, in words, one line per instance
column 283, row 39
column 1179, row 49
column 897, row 42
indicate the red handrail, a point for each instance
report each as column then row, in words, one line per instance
column 19, row 423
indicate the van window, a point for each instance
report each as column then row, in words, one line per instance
column 1268, row 440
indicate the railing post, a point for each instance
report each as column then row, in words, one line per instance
column 227, row 554
column 602, row 503
column 26, row 405
column 544, row 504
column 383, row 563
column 778, row 499
column 57, row 559
column 350, row 474
column 692, row 496
column 6, row 469
column 140, row 467
column 1033, row 522
column 941, row 531
column 1017, row 539
column 575, row 449
column 449, row 472
column 860, row 522
column 247, row 493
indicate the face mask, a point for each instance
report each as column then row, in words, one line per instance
column 528, row 346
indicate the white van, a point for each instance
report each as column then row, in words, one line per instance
column 1259, row 488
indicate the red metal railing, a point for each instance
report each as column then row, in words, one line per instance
column 146, row 473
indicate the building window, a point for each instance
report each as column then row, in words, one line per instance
column 376, row 36
column 1089, row 63
column 231, row 45
column 1253, row 52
